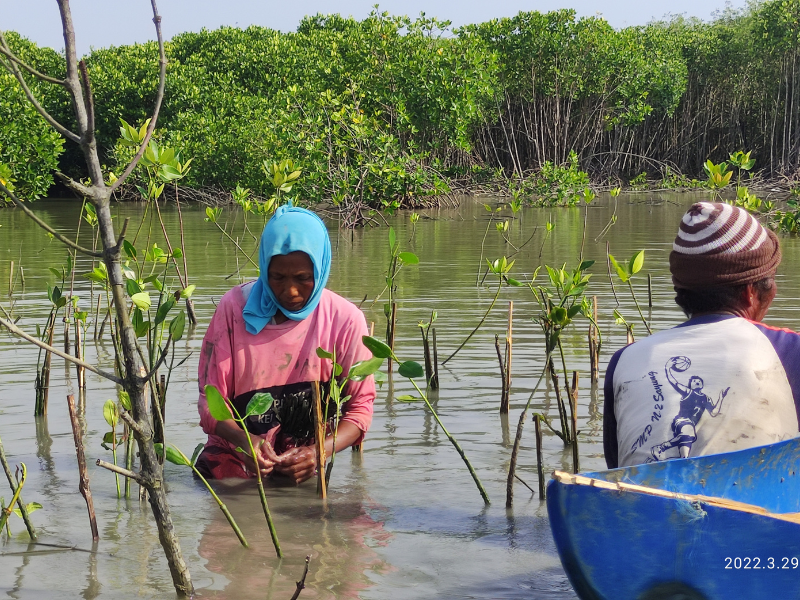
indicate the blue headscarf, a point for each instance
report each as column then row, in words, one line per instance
column 290, row 229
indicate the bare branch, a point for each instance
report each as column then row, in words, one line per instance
column 162, row 76
column 11, row 196
column 162, row 358
column 88, row 99
column 123, row 231
column 11, row 66
column 131, row 422
column 301, row 585
column 6, row 51
column 19, row 333
column 125, row 472
column 76, row 187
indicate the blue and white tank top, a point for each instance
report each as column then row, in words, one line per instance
column 716, row 383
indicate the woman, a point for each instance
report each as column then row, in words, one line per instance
column 263, row 338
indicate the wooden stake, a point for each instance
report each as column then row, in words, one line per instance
column 43, row 377
column 630, row 337
column 319, row 436
column 22, row 276
column 509, row 343
column 81, row 371
column 539, row 467
column 649, row 290
column 86, row 492
column 562, row 409
column 503, row 402
column 573, row 404
column 11, row 279
column 371, row 328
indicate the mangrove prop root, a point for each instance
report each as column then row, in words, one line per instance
column 435, row 378
column 302, row 583
column 20, row 503
column 83, row 486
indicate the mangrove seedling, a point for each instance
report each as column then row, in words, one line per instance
column 221, row 410
column 6, row 512
column 412, row 371
column 500, row 267
column 358, row 372
column 29, row 508
column 626, row 271
column 176, row 457
column 111, row 415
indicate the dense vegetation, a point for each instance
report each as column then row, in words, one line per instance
column 389, row 109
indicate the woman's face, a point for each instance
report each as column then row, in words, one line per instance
column 291, row 279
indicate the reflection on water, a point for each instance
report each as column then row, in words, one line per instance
column 404, row 519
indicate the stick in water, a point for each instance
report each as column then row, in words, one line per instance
column 83, row 486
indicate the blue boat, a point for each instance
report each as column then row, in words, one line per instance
column 718, row 527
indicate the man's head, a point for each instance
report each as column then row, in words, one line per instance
column 695, row 382
column 724, row 260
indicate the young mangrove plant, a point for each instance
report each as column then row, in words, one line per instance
column 222, row 410
column 176, row 457
column 625, row 272
column 7, row 510
column 501, row 268
column 412, row 370
column 358, row 372
column 111, row 415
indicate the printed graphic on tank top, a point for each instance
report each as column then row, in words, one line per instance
column 701, row 389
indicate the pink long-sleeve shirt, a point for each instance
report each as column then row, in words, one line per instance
column 239, row 363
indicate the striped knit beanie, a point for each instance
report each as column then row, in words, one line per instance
column 722, row 245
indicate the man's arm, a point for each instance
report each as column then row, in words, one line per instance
column 679, row 387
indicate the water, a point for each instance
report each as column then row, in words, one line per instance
column 405, row 520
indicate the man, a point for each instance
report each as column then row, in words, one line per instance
column 723, row 266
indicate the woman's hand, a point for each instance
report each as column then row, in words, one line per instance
column 297, row 463
column 265, row 454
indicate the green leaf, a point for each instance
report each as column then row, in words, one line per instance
column 141, row 300
column 408, row 398
column 110, row 413
column 377, row 347
column 392, row 239
column 196, row 454
column 173, row 456
column 621, row 270
column 188, row 291
column 324, row 354
column 164, row 309
column 514, row 282
column 29, row 508
column 132, row 287
column 109, row 438
column 363, row 369
column 176, row 326
column 408, row 258
column 585, row 265
column 129, row 249
column 259, row 404
column 411, row 370
column 637, row 262
column 558, row 315
column 216, row 404
column 55, row 272
column 125, row 399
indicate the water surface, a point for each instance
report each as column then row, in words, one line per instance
column 404, row 519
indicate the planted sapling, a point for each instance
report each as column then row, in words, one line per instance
column 412, row 370
column 626, row 271
column 221, row 410
column 111, row 415
column 176, row 457
column 358, row 372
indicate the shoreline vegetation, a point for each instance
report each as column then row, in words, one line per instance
column 394, row 112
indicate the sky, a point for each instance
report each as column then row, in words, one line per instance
column 102, row 23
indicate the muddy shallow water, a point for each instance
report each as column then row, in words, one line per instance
column 404, row 519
